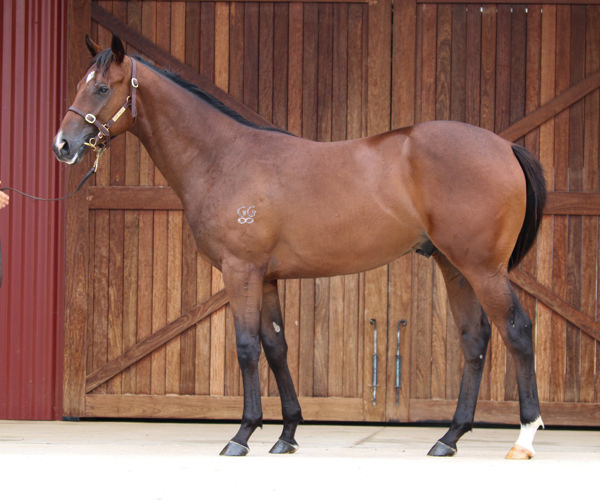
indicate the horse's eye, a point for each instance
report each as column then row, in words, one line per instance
column 102, row 90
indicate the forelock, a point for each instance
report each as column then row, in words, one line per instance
column 103, row 60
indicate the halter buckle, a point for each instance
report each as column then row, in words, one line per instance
column 134, row 82
column 89, row 118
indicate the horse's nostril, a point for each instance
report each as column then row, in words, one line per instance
column 61, row 147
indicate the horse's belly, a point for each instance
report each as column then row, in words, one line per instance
column 341, row 251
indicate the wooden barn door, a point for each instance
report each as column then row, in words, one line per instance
column 148, row 332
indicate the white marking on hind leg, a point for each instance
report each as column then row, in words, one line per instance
column 527, row 434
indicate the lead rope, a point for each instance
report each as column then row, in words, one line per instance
column 88, row 174
column 99, row 152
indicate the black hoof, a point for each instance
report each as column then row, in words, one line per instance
column 440, row 449
column 235, row 449
column 283, row 447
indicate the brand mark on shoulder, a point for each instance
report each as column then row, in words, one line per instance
column 246, row 214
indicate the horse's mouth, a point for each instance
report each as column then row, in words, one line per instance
column 79, row 155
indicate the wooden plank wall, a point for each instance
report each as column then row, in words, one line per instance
column 301, row 66
column 490, row 65
column 328, row 71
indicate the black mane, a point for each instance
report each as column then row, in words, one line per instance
column 102, row 60
column 210, row 99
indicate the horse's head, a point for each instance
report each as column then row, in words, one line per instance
column 104, row 105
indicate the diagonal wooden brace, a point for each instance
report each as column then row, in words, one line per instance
column 155, row 340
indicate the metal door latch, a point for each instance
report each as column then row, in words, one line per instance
column 398, row 383
column 375, row 368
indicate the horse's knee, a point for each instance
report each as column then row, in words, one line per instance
column 248, row 350
column 276, row 351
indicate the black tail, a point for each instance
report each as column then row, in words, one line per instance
column 536, row 199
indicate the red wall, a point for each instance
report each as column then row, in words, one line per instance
column 33, row 91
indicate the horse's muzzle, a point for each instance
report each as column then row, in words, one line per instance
column 67, row 151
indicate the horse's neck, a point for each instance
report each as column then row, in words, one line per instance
column 182, row 133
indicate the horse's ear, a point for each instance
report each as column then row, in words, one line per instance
column 92, row 46
column 117, row 49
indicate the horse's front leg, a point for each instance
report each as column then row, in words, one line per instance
column 273, row 341
column 244, row 286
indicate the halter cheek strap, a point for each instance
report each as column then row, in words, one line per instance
column 103, row 135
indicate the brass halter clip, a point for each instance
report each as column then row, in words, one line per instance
column 99, row 152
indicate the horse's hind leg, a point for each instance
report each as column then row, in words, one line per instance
column 273, row 341
column 475, row 333
column 505, row 311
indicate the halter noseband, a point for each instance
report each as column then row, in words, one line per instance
column 102, row 139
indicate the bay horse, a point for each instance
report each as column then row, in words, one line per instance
column 449, row 190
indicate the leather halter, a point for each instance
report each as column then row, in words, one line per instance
column 99, row 143
column 102, row 139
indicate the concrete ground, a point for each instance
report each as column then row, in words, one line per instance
column 179, row 461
